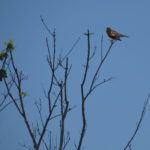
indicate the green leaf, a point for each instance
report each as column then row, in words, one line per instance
column 10, row 46
column 3, row 74
column 3, row 55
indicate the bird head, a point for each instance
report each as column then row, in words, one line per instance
column 108, row 29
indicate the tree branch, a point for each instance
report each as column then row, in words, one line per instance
column 83, row 130
column 139, row 123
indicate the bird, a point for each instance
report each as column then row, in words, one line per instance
column 114, row 34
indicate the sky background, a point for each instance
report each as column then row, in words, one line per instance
column 113, row 110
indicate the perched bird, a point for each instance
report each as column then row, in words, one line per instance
column 114, row 34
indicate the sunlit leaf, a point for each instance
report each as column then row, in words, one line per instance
column 10, row 46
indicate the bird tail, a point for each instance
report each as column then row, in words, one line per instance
column 122, row 35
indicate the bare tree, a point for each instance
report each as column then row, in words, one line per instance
column 15, row 80
column 56, row 96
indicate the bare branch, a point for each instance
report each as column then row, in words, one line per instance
column 39, row 109
column 83, row 130
column 93, row 54
column 6, row 106
column 139, row 123
column 45, row 144
column 88, row 58
column 11, row 96
column 102, row 48
column 25, row 146
column 99, row 66
column 74, row 45
column 49, row 31
column 98, row 84
column 130, row 148
column 4, row 99
column 49, row 58
column 18, row 85
column 66, row 141
column 64, row 107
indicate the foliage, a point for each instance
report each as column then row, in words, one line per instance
column 3, row 57
column 3, row 74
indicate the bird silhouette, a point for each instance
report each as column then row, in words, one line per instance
column 114, row 34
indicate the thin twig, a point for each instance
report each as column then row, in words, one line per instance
column 98, row 84
column 45, row 25
column 102, row 48
column 99, row 66
column 11, row 102
column 68, row 53
column 139, row 123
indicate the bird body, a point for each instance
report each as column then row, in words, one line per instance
column 114, row 34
